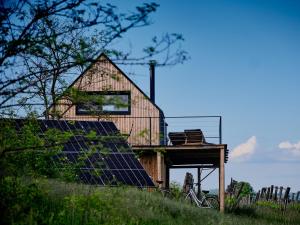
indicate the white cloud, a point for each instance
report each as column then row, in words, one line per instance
column 244, row 150
column 293, row 148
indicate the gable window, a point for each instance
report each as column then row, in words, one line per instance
column 108, row 102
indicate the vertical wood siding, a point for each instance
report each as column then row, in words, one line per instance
column 104, row 76
column 149, row 163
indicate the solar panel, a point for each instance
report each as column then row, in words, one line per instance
column 112, row 161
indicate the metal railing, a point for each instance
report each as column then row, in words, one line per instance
column 152, row 131
column 211, row 126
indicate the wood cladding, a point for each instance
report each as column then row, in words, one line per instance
column 149, row 163
column 144, row 117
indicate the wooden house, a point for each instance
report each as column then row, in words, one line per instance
column 133, row 112
column 138, row 117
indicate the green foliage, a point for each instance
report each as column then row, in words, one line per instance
column 143, row 133
column 271, row 213
column 42, row 201
column 19, row 201
column 295, row 206
column 160, row 150
column 28, row 152
column 26, row 138
column 50, row 46
column 231, row 203
column 91, row 135
column 8, row 136
column 268, row 204
column 115, row 77
column 55, row 137
column 241, row 189
column 25, row 151
column 246, row 190
column 176, row 190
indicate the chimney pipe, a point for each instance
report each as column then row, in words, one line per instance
column 152, row 80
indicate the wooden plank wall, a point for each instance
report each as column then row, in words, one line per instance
column 103, row 76
column 149, row 163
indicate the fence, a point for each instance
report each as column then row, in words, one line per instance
column 275, row 194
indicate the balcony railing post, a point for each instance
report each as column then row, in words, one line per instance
column 150, row 134
column 220, row 130
column 165, row 131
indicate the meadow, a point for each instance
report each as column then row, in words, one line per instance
column 45, row 201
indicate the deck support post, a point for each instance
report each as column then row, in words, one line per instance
column 167, row 183
column 159, row 167
column 199, row 181
column 222, row 181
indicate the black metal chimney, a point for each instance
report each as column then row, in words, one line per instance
column 152, row 80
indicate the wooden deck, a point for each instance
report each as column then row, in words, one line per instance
column 186, row 156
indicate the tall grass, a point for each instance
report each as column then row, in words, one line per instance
column 52, row 202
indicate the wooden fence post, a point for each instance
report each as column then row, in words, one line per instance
column 297, row 197
column 280, row 193
column 275, row 194
column 240, row 190
column 268, row 193
column 286, row 196
column 263, row 192
column 260, row 194
column 293, row 197
column 257, row 196
column 287, row 192
column 271, row 192
column 249, row 199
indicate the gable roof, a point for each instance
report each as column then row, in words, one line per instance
column 111, row 62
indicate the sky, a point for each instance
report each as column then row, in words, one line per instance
column 244, row 66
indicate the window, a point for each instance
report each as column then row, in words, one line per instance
column 116, row 103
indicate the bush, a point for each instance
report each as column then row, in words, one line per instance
column 18, row 201
column 231, row 203
column 176, row 190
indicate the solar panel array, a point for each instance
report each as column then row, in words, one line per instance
column 111, row 162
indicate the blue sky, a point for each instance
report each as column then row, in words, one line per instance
column 244, row 66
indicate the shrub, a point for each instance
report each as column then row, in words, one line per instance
column 18, row 201
column 176, row 190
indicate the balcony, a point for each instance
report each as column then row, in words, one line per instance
column 155, row 131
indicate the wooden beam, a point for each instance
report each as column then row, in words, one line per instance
column 179, row 147
column 158, row 160
column 222, row 181
column 167, row 177
column 193, row 166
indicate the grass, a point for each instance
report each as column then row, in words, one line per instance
column 53, row 202
column 272, row 213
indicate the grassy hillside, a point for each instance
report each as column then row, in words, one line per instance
column 53, row 202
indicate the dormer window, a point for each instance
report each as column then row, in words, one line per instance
column 108, row 102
